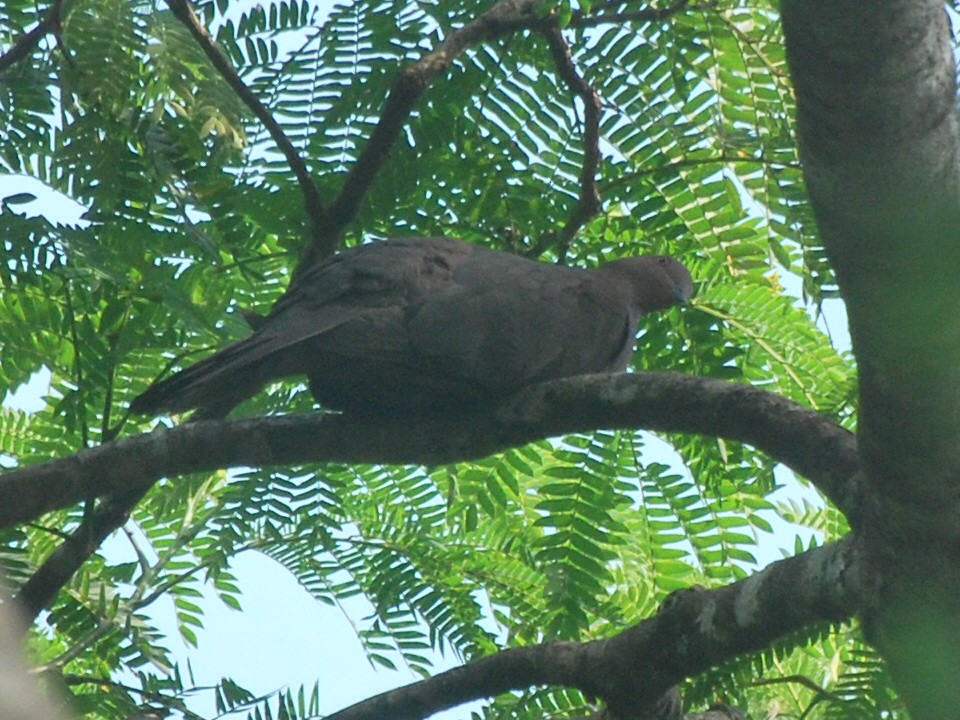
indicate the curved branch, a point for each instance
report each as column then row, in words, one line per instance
column 311, row 196
column 694, row 630
column 406, row 91
column 809, row 443
column 411, row 83
column 588, row 204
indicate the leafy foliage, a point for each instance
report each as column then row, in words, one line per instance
column 191, row 215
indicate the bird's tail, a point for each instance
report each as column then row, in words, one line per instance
column 215, row 384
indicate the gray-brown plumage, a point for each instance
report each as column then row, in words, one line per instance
column 414, row 323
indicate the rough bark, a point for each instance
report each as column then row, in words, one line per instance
column 807, row 442
column 876, row 106
column 694, row 629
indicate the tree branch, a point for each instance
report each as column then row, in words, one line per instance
column 39, row 591
column 21, row 697
column 27, row 42
column 167, row 701
column 316, row 213
column 406, row 91
column 411, row 83
column 694, row 630
column 807, row 442
column 589, row 202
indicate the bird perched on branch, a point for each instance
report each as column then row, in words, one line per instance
column 431, row 323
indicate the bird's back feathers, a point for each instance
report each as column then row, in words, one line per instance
column 431, row 322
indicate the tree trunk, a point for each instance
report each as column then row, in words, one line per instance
column 876, row 96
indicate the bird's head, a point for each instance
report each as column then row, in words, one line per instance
column 656, row 282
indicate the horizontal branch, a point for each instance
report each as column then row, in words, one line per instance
column 695, row 629
column 807, row 442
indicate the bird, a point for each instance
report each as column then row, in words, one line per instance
column 416, row 324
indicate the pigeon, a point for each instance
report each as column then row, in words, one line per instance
column 430, row 324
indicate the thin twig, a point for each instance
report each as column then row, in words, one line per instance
column 822, row 693
column 316, row 212
column 582, row 20
column 410, row 85
column 674, row 165
column 589, row 203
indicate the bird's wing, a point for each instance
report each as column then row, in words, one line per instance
column 361, row 298
column 506, row 324
column 362, row 291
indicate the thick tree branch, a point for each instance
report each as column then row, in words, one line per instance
column 589, row 203
column 27, row 42
column 315, row 210
column 805, row 441
column 694, row 630
column 880, row 142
